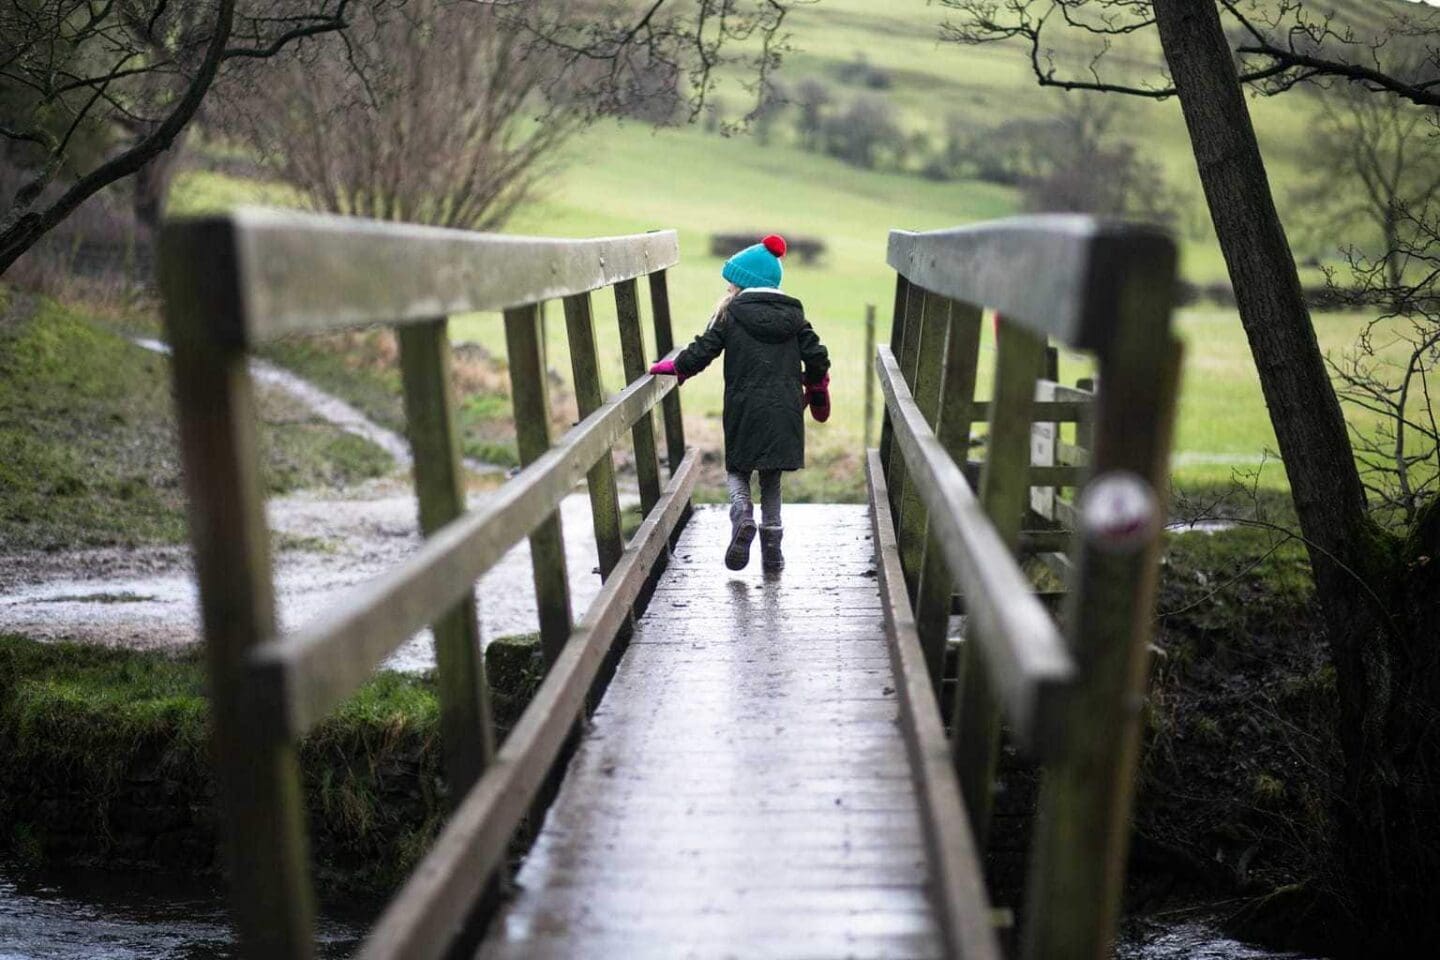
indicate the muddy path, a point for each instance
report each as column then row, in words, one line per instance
column 328, row 543
column 325, row 543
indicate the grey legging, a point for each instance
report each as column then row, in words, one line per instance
column 739, row 486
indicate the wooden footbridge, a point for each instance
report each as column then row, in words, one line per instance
column 715, row 765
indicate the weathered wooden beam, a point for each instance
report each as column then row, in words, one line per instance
column 431, row 909
column 1053, row 275
column 466, row 733
column 1037, row 476
column 959, row 886
column 305, row 273
column 1083, row 827
column 1045, row 541
column 897, row 340
column 525, row 350
column 909, row 350
column 632, row 354
column 1048, row 411
column 300, row 678
column 929, row 372
column 258, row 777
column 589, row 395
column 1024, row 652
column 1004, row 495
column 665, row 345
column 962, row 353
column 869, row 384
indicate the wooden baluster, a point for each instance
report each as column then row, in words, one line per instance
column 933, row 604
column 1004, row 493
column 532, row 437
column 929, row 369
column 589, row 394
column 467, row 737
column 632, row 351
column 664, row 343
column 258, row 777
column 897, row 339
column 909, row 333
column 869, row 373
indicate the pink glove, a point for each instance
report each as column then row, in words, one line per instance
column 666, row 368
column 817, row 395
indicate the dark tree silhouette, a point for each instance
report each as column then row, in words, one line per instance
column 437, row 114
column 93, row 92
column 1379, row 593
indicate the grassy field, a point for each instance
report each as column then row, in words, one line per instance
column 626, row 178
column 88, row 430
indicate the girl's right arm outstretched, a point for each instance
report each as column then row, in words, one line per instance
column 703, row 349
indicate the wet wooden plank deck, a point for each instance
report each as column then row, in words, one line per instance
column 744, row 788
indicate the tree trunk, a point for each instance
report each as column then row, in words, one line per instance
column 151, row 192
column 1388, row 848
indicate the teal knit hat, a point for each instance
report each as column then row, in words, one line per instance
column 757, row 265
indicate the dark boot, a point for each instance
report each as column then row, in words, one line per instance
column 742, row 534
column 771, row 559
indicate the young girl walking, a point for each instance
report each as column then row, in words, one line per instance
column 775, row 367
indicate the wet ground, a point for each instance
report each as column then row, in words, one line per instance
column 328, row 544
column 78, row 915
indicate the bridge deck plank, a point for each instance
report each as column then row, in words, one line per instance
column 743, row 788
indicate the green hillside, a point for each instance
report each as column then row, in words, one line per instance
column 627, row 177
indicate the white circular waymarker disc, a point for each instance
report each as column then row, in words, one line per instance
column 1118, row 511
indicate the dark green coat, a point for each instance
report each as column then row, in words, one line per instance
column 766, row 341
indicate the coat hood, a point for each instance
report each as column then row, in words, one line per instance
column 768, row 316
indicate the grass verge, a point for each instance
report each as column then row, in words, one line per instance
column 88, row 429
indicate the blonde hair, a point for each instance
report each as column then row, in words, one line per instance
column 730, row 291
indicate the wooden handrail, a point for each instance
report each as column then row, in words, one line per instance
column 269, row 273
column 231, row 282
column 433, row 906
column 1061, row 276
column 1102, row 287
column 299, row 679
column 1025, row 653
column 960, row 897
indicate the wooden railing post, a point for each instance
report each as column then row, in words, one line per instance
column 909, row 334
column 897, row 339
column 532, row 438
column 929, row 370
column 589, row 394
column 258, row 775
column 632, row 352
column 1083, row 825
column 1004, row 493
column 664, row 343
column 869, row 373
column 465, row 729
column 932, row 603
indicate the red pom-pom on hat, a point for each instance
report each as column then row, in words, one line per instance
column 775, row 244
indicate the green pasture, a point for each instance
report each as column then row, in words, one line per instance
column 622, row 178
